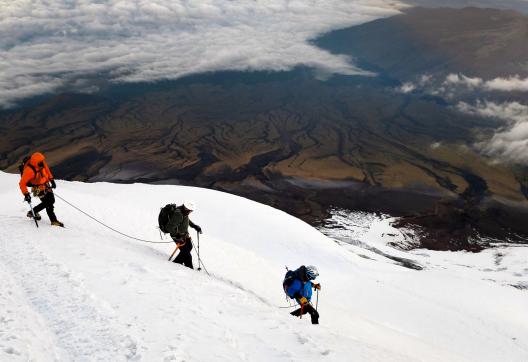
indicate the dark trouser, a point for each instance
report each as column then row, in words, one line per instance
column 47, row 202
column 184, row 257
column 308, row 308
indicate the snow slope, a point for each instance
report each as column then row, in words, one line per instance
column 85, row 293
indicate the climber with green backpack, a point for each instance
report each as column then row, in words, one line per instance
column 174, row 220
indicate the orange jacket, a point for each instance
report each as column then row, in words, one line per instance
column 34, row 174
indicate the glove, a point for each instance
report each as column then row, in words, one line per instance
column 317, row 286
column 198, row 228
column 27, row 197
column 53, row 184
column 303, row 301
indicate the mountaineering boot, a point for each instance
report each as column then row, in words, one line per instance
column 315, row 319
column 57, row 223
column 30, row 215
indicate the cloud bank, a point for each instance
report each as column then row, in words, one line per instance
column 48, row 45
column 509, row 143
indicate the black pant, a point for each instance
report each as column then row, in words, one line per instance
column 308, row 308
column 184, row 257
column 47, row 202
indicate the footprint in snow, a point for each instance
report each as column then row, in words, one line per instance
column 11, row 350
column 174, row 353
column 302, row 340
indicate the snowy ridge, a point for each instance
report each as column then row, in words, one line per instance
column 86, row 294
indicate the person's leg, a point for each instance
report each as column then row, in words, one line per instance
column 184, row 257
column 179, row 258
column 41, row 206
column 314, row 315
column 308, row 308
column 188, row 261
column 296, row 312
column 49, row 200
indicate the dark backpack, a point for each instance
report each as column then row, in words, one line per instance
column 164, row 216
column 22, row 165
column 288, row 280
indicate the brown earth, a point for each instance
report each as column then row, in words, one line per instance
column 300, row 144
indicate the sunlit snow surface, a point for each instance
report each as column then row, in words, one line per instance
column 84, row 293
column 371, row 235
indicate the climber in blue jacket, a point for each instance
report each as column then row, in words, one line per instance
column 298, row 285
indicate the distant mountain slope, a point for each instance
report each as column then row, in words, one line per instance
column 84, row 293
column 478, row 42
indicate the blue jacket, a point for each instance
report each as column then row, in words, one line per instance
column 298, row 289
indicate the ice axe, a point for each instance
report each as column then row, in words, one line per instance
column 174, row 252
column 33, row 213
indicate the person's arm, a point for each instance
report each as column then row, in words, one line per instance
column 48, row 171
column 49, row 175
column 27, row 175
column 195, row 226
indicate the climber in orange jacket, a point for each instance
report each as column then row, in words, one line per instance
column 37, row 175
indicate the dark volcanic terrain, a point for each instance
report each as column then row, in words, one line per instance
column 487, row 43
column 291, row 141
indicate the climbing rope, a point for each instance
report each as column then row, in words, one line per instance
column 288, row 307
column 111, row 228
column 129, row 236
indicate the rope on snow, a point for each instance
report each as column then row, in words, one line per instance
column 111, row 228
column 126, row 235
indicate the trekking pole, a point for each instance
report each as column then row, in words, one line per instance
column 33, row 213
column 317, row 300
column 199, row 260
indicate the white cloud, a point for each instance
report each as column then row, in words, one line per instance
column 509, row 142
column 513, row 83
column 45, row 45
column 500, row 84
column 462, row 80
column 407, row 87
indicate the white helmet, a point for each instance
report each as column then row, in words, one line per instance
column 189, row 205
column 311, row 272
